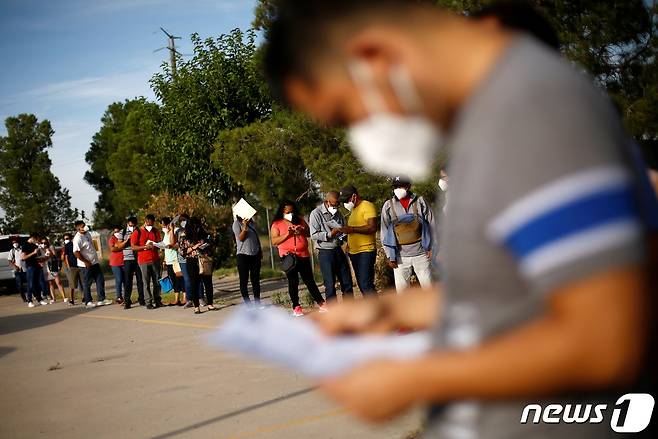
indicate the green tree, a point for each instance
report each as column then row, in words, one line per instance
column 119, row 159
column 30, row 195
column 219, row 88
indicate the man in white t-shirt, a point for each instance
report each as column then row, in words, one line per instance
column 18, row 265
column 88, row 263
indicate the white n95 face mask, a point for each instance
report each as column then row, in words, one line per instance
column 349, row 206
column 288, row 216
column 400, row 193
column 332, row 210
column 443, row 184
column 388, row 143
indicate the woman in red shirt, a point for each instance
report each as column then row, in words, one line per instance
column 289, row 234
column 116, row 245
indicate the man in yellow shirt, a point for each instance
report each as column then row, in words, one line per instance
column 360, row 230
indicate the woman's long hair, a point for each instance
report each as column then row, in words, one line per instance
column 279, row 212
column 194, row 231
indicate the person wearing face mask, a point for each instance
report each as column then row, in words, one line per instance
column 169, row 229
column 148, row 260
column 117, row 244
column 360, row 230
column 325, row 222
column 443, row 187
column 51, row 268
column 70, row 263
column 89, row 265
column 30, row 255
column 406, row 234
column 249, row 256
column 545, row 292
column 131, row 267
column 289, row 234
column 179, row 234
column 18, row 266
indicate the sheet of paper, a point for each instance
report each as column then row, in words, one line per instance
column 160, row 245
column 273, row 335
column 243, row 209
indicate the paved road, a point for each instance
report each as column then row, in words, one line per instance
column 109, row 372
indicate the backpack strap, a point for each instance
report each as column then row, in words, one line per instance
column 394, row 214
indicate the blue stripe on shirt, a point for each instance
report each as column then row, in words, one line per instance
column 585, row 213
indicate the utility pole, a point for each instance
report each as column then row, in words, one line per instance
column 171, row 46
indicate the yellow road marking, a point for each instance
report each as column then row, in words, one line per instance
column 285, row 425
column 155, row 322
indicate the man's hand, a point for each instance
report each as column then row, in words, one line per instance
column 87, row 264
column 375, row 391
column 429, row 255
column 393, row 264
column 347, row 230
column 334, row 232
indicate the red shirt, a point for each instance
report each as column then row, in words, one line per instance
column 116, row 258
column 139, row 238
column 405, row 202
column 300, row 248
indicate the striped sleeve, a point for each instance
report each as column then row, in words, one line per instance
column 572, row 227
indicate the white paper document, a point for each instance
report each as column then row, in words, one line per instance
column 273, row 335
column 160, row 245
column 243, row 209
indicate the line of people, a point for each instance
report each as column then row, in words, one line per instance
column 405, row 230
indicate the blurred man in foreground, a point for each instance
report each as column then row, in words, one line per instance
column 545, row 296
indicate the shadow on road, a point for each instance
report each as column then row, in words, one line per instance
column 233, row 413
column 4, row 350
column 23, row 322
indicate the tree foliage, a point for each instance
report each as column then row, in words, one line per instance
column 120, row 159
column 30, row 195
column 219, row 88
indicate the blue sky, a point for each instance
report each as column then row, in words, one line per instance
column 67, row 60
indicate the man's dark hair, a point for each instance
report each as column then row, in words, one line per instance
column 523, row 16
column 150, row 217
column 78, row 223
column 183, row 216
column 132, row 219
column 165, row 220
column 303, row 28
column 67, row 234
column 346, row 193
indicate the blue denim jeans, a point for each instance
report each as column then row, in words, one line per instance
column 333, row 264
column 130, row 269
column 20, row 277
column 364, row 269
column 188, row 284
column 34, row 275
column 119, row 280
column 89, row 275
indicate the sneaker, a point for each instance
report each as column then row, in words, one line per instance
column 51, row 301
column 43, row 302
column 30, row 305
column 71, row 303
column 119, row 301
column 90, row 305
column 298, row 311
column 66, row 300
column 142, row 303
column 323, row 308
column 107, row 302
column 126, row 305
column 149, row 306
column 100, row 303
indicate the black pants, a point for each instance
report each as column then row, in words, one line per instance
column 195, row 278
column 303, row 269
column 249, row 267
column 333, row 264
column 177, row 282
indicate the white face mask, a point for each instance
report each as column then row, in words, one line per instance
column 118, row 235
column 165, row 229
column 288, row 216
column 349, row 206
column 183, row 223
column 130, row 228
column 332, row 210
column 443, row 184
column 42, row 246
column 379, row 139
column 148, row 228
column 66, row 241
column 400, row 192
column 16, row 245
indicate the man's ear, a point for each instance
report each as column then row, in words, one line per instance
column 380, row 47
